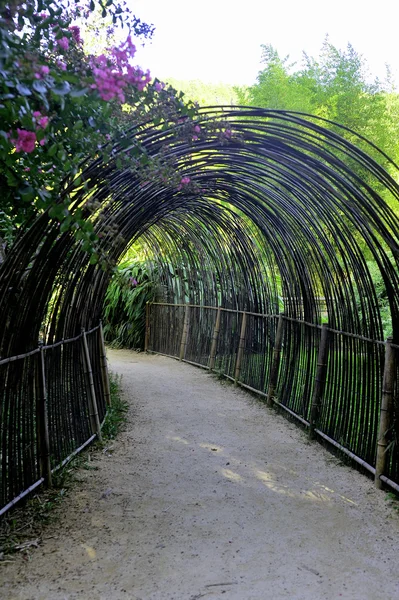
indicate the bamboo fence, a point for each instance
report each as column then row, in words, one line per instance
column 52, row 404
column 343, row 387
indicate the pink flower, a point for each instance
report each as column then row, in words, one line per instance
column 26, row 141
column 227, row 134
column 63, row 43
column 75, row 33
column 43, row 122
column 42, row 142
column 27, row 169
column 159, row 86
column 197, row 129
column 37, row 114
column 60, row 64
column 43, row 72
column 183, row 181
column 113, row 74
column 133, row 281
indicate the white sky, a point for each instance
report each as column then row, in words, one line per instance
column 219, row 40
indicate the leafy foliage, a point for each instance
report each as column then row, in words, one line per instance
column 130, row 289
column 335, row 86
column 59, row 105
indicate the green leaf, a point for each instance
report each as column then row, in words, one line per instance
column 23, row 89
column 79, row 93
column 52, row 150
column 27, row 193
column 62, row 90
column 39, row 87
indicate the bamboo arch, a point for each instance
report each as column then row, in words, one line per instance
column 280, row 208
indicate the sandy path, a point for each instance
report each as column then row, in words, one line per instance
column 207, row 494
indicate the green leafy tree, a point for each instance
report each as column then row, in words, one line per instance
column 334, row 86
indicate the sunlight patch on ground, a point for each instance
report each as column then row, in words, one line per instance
column 177, row 439
column 91, row 553
column 231, row 475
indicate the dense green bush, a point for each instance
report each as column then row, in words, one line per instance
column 130, row 289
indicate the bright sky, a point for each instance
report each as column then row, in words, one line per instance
column 219, row 40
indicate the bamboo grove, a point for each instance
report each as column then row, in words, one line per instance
column 280, row 212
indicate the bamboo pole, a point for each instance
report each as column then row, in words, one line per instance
column 320, row 379
column 241, row 347
column 276, row 361
column 147, row 327
column 215, row 336
column 183, row 344
column 95, row 420
column 385, row 412
column 104, row 368
column 42, row 415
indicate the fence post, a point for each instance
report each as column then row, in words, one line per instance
column 276, row 361
column 104, row 368
column 147, row 327
column 241, row 346
column 320, row 379
column 44, row 440
column 385, row 412
column 215, row 336
column 95, row 420
column 183, row 344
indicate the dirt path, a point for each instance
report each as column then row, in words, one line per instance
column 208, row 494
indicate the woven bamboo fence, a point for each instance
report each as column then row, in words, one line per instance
column 341, row 386
column 53, row 401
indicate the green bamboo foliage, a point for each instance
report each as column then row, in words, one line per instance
column 131, row 287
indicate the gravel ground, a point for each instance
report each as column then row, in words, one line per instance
column 209, row 494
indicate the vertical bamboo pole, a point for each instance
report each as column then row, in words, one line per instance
column 95, row 420
column 147, row 327
column 215, row 336
column 104, row 368
column 320, row 379
column 183, row 344
column 385, row 411
column 278, row 342
column 241, row 347
column 44, row 439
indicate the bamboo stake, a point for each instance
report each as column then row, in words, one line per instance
column 184, row 336
column 95, row 420
column 241, row 347
column 147, row 327
column 278, row 342
column 385, row 412
column 215, row 336
column 104, row 368
column 320, row 379
column 42, row 416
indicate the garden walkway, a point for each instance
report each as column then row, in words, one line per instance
column 208, row 494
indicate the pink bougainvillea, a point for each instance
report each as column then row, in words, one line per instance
column 183, row 181
column 63, row 43
column 26, row 141
column 75, row 30
column 112, row 74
